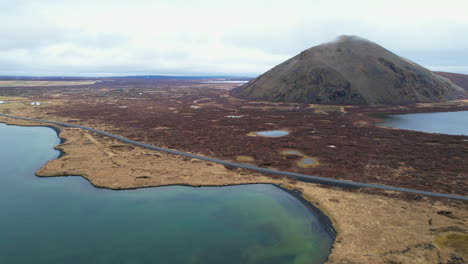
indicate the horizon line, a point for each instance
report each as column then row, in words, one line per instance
column 130, row 76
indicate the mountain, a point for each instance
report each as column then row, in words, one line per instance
column 459, row 79
column 350, row 70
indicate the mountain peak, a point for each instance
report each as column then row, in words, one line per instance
column 350, row 70
column 344, row 38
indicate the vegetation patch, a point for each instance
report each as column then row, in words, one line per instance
column 6, row 108
column 11, row 98
column 325, row 109
column 305, row 161
column 242, row 158
column 456, row 241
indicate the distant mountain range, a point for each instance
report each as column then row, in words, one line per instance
column 351, row 70
column 130, row 77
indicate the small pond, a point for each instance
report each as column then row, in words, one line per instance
column 66, row 220
column 453, row 123
column 305, row 161
column 272, row 133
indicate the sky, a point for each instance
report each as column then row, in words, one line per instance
column 208, row 37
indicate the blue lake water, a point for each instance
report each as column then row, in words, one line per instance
column 272, row 133
column 66, row 220
column 453, row 123
column 307, row 161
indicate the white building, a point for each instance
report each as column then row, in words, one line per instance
column 36, row 103
column 2, row 102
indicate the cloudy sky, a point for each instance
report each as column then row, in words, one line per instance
column 217, row 37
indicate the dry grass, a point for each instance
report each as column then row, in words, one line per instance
column 11, row 98
column 454, row 240
column 6, row 108
column 372, row 229
column 244, row 158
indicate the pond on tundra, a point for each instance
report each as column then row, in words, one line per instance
column 272, row 133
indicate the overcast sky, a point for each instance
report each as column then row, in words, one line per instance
column 235, row 37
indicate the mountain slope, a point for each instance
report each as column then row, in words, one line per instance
column 459, row 79
column 350, row 70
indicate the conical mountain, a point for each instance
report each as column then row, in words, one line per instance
column 350, row 70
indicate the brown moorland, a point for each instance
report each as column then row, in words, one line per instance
column 459, row 79
column 201, row 117
column 195, row 116
column 371, row 228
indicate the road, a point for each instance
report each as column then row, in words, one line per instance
column 293, row 175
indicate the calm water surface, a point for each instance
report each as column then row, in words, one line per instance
column 453, row 123
column 66, row 220
column 273, row 133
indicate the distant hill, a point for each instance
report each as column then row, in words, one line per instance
column 350, row 70
column 459, row 79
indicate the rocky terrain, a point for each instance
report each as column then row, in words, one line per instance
column 350, row 70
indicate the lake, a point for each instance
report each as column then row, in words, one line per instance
column 273, row 133
column 453, row 123
column 67, row 220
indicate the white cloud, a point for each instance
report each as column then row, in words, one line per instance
column 52, row 37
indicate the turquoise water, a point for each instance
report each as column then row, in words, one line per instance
column 453, row 123
column 273, row 133
column 66, row 220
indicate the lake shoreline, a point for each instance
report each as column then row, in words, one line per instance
column 423, row 122
column 371, row 216
column 324, row 219
column 56, row 129
column 340, row 137
column 232, row 219
column 294, row 176
column 320, row 215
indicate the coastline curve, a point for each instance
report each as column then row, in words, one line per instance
column 293, row 175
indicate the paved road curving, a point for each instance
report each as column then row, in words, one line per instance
column 297, row 176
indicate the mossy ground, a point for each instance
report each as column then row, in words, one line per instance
column 456, row 241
